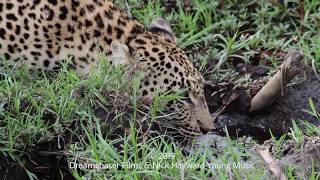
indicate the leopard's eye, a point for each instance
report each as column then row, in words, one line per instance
column 186, row 98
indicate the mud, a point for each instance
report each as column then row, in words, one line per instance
column 277, row 117
column 302, row 158
column 247, row 129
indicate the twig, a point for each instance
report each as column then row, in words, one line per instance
column 225, row 105
column 272, row 165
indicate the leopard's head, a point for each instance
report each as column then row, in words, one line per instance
column 168, row 70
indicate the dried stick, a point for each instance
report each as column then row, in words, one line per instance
column 275, row 86
column 272, row 165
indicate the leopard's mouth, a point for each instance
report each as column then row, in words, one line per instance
column 190, row 133
column 204, row 130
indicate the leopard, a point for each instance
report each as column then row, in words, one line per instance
column 41, row 34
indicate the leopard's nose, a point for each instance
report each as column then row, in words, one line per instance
column 204, row 130
column 202, row 127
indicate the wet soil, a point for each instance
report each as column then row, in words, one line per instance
column 276, row 118
column 302, row 156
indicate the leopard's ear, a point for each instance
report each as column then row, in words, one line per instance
column 161, row 26
column 120, row 53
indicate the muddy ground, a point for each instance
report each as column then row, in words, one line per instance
column 277, row 117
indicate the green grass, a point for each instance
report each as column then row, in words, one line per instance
column 36, row 109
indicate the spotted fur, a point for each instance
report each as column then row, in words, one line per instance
column 40, row 34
